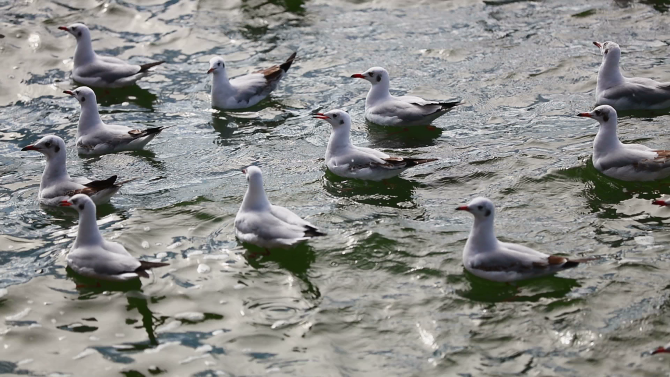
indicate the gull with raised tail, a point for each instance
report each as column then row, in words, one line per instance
column 244, row 91
column 263, row 224
column 627, row 162
column 486, row 257
column 627, row 93
column 57, row 185
column 93, row 256
column 95, row 137
column 349, row 161
column 386, row 110
column 98, row 71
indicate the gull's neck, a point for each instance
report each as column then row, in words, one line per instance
column 89, row 118
column 609, row 74
column 55, row 170
column 88, row 232
column 339, row 139
column 378, row 92
column 84, row 53
column 606, row 140
column 482, row 237
column 255, row 198
column 221, row 88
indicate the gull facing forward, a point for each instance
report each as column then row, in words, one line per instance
column 486, row 257
column 263, row 224
column 349, row 161
column 386, row 110
column 102, row 71
column 57, row 186
column 95, row 137
column 624, row 93
column 94, row 257
column 244, row 91
column 627, row 162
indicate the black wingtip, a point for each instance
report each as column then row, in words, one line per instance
column 313, row 232
column 418, row 161
column 145, row 67
column 449, row 105
column 287, row 64
column 570, row 264
column 102, row 184
column 145, row 265
column 153, row 130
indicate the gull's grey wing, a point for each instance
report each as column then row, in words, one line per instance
column 103, row 262
column 266, row 226
column 250, row 86
column 286, row 215
column 637, row 159
column 639, row 90
column 108, row 72
column 508, row 259
column 405, row 111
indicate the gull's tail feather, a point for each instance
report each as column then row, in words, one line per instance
column 418, row 161
column 313, row 232
column 144, row 266
column 287, row 64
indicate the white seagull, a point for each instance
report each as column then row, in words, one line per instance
column 244, row 91
column 94, row 257
column 386, row 110
column 102, row 71
column 56, row 184
column 263, row 224
column 661, row 349
column 624, row 93
column 95, row 137
column 349, row 161
column 486, row 257
column 627, row 162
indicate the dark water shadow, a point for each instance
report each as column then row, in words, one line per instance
column 395, row 192
column 532, row 290
column 643, row 113
column 402, row 137
column 146, row 154
column 297, row 260
column 659, row 5
column 255, row 11
column 67, row 217
column 221, row 124
column 133, row 94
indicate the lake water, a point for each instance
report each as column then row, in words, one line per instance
column 385, row 293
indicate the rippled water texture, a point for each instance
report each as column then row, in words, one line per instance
column 384, row 294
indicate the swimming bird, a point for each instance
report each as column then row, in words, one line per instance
column 486, row 257
column 98, row 71
column 627, row 162
column 57, row 185
column 93, row 256
column 661, row 349
column 349, row 161
column 95, row 137
column 627, row 93
column 244, row 91
column 386, row 110
column 263, row 224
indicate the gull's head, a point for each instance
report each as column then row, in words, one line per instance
column 83, row 94
column 480, row 208
column 337, row 118
column 609, row 50
column 217, row 65
column 79, row 202
column 50, row 146
column 78, row 30
column 605, row 115
column 254, row 175
column 375, row 75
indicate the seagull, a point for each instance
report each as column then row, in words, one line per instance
column 349, row 161
column 94, row 257
column 661, row 349
column 662, row 203
column 266, row 225
column 623, row 93
column 627, row 162
column 102, row 71
column 244, row 91
column 486, row 257
column 95, row 137
column 56, row 184
column 386, row 110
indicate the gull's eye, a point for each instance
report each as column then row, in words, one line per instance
column 598, row 112
column 371, row 74
column 83, row 99
column 480, row 207
column 219, row 64
column 334, row 115
column 379, row 78
column 606, row 51
column 47, row 144
column 74, row 28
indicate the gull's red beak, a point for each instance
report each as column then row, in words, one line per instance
column 63, row 28
column 29, row 148
column 68, row 92
column 659, row 350
column 321, row 116
column 661, row 203
column 65, row 203
column 210, row 70
column 244, row 171
column 588, row 115
column 597, row 44
column 463, row 208
column 357, row 76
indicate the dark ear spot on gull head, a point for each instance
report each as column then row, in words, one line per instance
column 81, row 206
column 57, row 149
column 488, row 213
column 341, row 122
column 379, row 78
column 83, row 99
